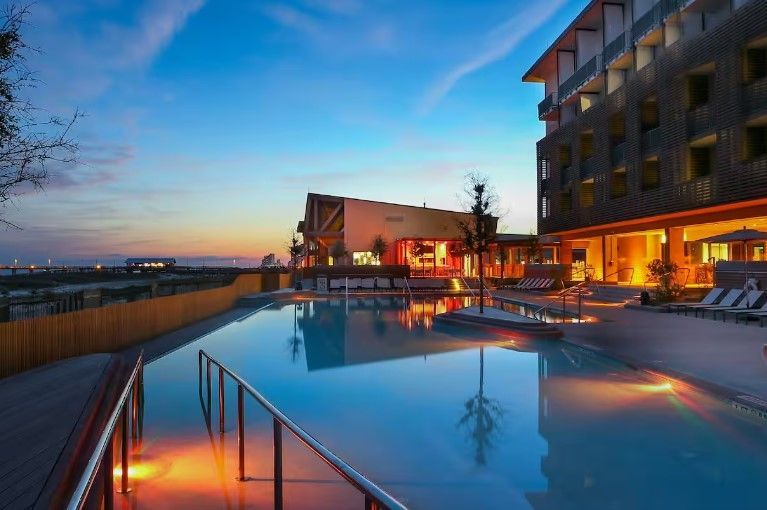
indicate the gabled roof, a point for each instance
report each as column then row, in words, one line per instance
column 337, row 198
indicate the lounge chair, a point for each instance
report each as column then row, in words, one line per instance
column 399, row 283
column 335, row 284
column 547, row 284
column 367, row 283
column 748, row 301
column 352, row 283
column 521, row 283
column 383, row 283
column 531, row 284
column 710, row 299
column 761, row 315
column 751, row 310
column 732, row 297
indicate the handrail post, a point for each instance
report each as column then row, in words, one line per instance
column 564, row 304
column 208, row 386
column 124, row 451
column 240, row 434
column 221, row 400
column 277, row 464
column 580, row 297
column 107, row 472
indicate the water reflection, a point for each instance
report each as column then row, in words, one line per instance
column 482, row 417
column 548, row 426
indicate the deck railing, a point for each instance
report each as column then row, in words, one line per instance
column 375, row 497
column 548, row 105
column 580, row 77
column 618, row 154
column 101, row 463
column 699, row 121
column 617, row 47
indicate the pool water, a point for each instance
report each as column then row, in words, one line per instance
column 441, row 417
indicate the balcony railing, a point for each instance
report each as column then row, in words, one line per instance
column 755, row 99
column 587, row 167
column 547, row 106
column 618, row 47
column 699, row 121
column 653, row 18
column 651, row 140
column 618, row 154
column 580, row 77
column 566, row 174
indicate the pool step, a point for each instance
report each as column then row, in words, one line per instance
column 614, row 293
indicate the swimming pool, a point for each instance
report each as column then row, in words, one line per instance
column 440, row 417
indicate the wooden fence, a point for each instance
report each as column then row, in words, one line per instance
column 28, row 343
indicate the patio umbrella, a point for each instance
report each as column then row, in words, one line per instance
column 743, row 235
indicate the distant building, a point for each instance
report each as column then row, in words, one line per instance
column 270, row 261
column 150, row 263
column 656, row 135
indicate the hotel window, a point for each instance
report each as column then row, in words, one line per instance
column 587, row 145
column 649, row 114
column 566, row 201
column 364, row 258
column 618, row 183
column 617, row 128
column 701, row 162
column 698, row 90
column 544, row 168
column 756, row 142
column 650, row 174
column 587, row 193
column 545, row 206
column 755, row 65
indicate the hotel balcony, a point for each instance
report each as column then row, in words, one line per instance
column 618, row 154
column 587, row 167
column 699, row 122
column 545, row 185
column 548, row 109
column 617, row 54
column 586, row 74
column 755, row 97
column 651, row 140
column 566, row 175
column 649, row 24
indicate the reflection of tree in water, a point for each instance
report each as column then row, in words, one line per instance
column 295, row 341
column 482, row 418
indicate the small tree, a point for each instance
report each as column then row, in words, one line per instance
column 419, row 250
column 533, row 248
column 295, row 249
column 338, row 250
column 664, row 274
column 379, row 247
column 479, row 231
column 29, row 141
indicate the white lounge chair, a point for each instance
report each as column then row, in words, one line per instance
column 352, row 283
column 709, row 299
column 747, row 302
column 336, row 284
column 521, row 283
column 383, row 283
column 732, row 297
column 367, row 283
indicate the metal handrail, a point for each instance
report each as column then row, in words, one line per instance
column 604, row 279
column 563, row 296
column 407, row 286
column 467, row 286
column 101, row 460
column 375, row 497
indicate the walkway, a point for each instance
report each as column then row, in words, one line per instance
column 724, row 357
column 45, row 413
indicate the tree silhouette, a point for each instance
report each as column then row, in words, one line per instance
column 482, row 417
column 379, row 247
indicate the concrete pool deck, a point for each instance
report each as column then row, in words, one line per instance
column 726, row 358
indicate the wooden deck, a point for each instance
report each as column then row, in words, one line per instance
column 44, row 414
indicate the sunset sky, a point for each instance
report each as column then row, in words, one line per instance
column 208, row 121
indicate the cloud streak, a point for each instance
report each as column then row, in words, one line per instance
column 501, row 41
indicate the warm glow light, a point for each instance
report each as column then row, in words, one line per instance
column 657, row 388
column 663, row 239
column 138, row 471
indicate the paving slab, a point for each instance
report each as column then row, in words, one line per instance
column 721, row 354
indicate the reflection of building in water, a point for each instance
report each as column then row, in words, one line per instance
column 420, row 314
column 615, row 442
column 371, row 329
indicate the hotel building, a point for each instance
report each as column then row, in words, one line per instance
column 656, row 135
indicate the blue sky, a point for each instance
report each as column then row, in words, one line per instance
column 209, row 120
